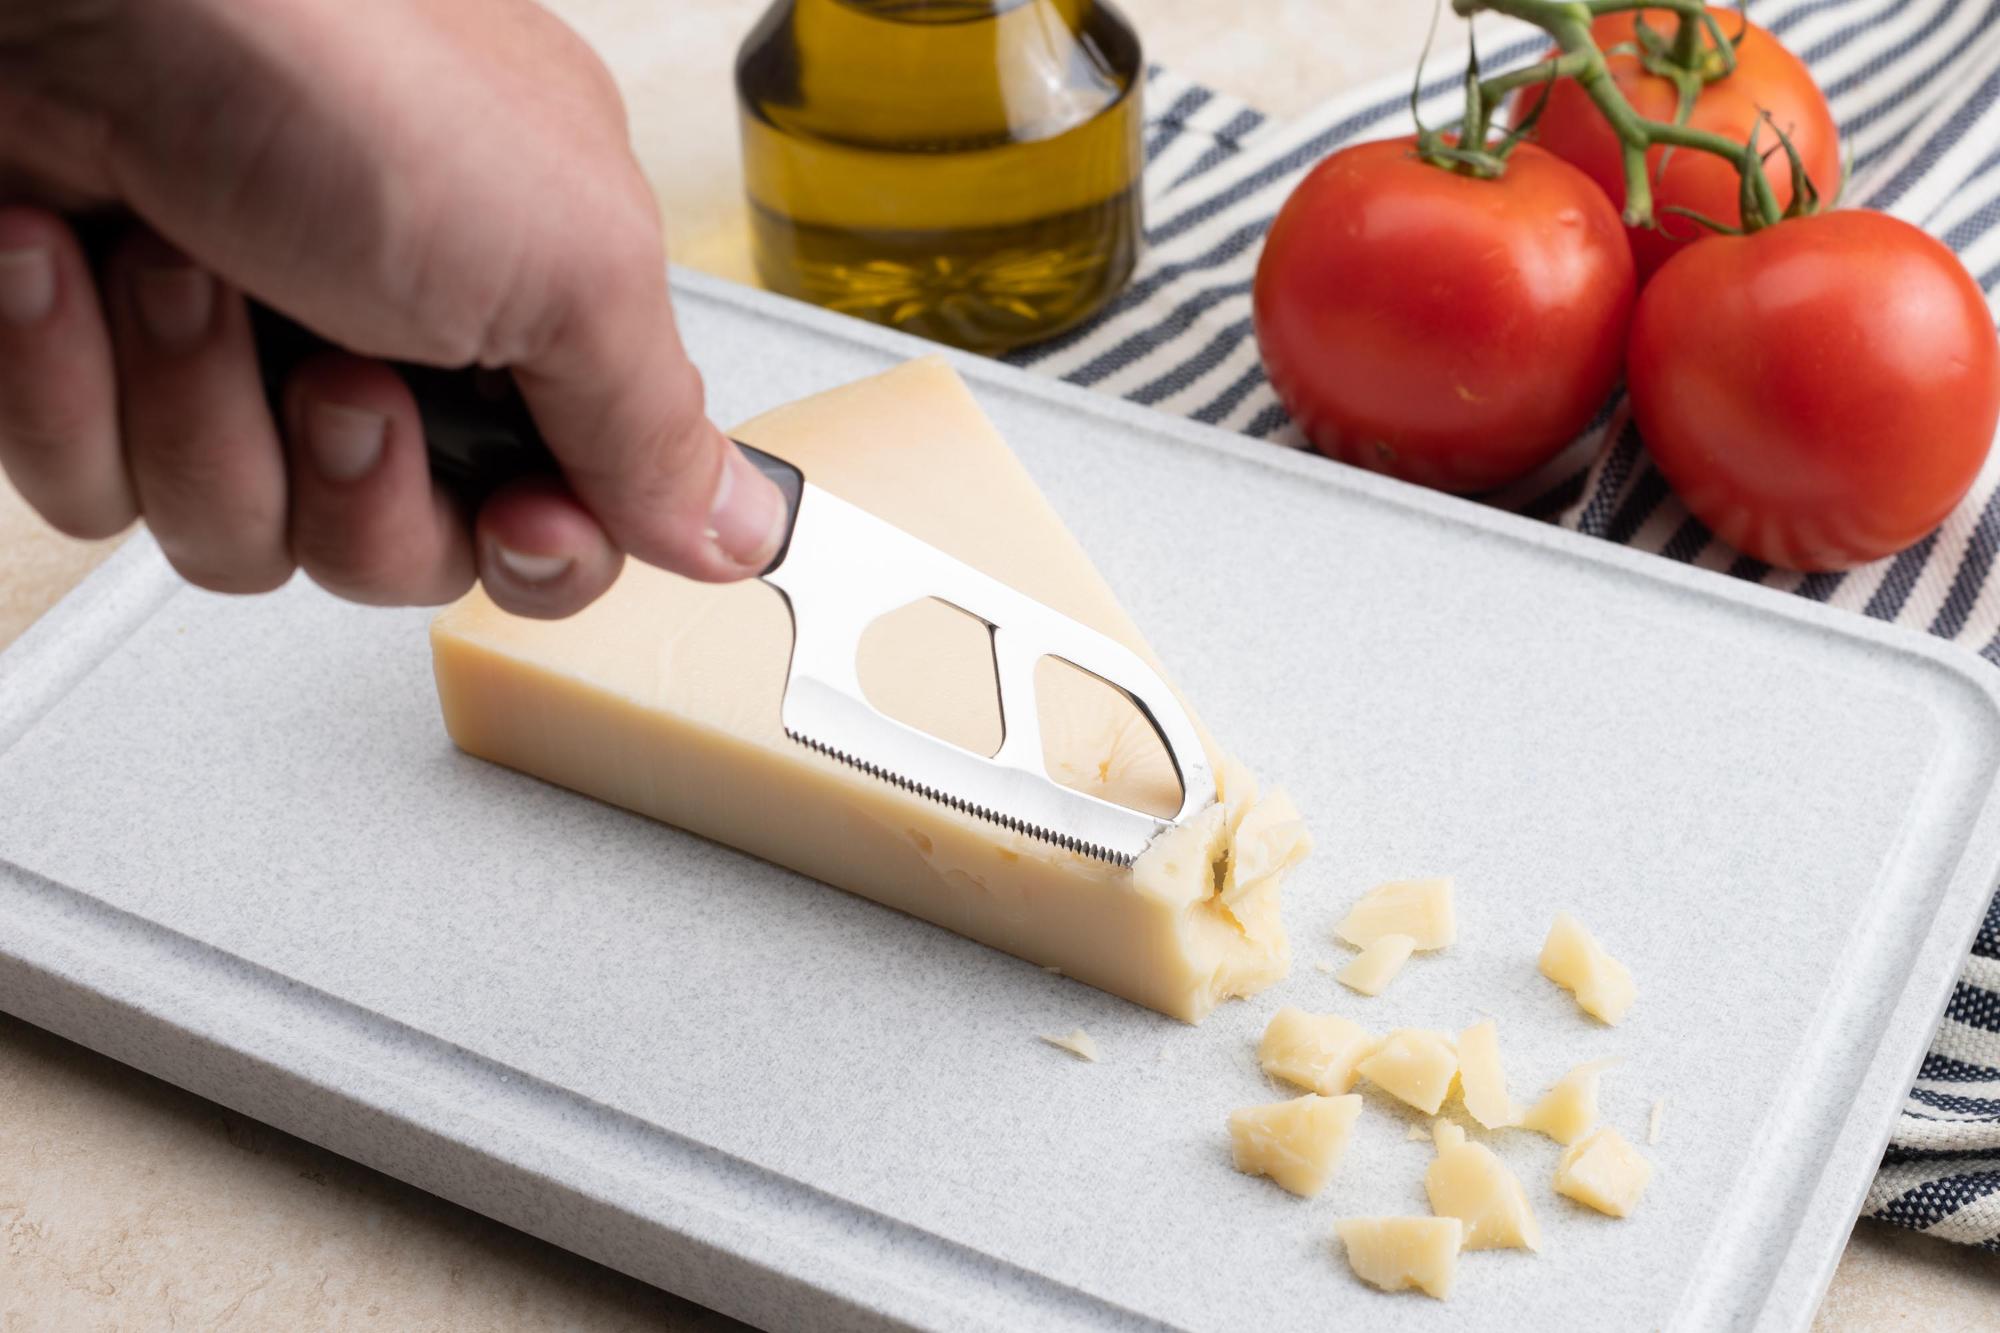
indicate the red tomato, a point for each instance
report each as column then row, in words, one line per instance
column 1820, row 393
column 1444, row 329
column 1767, row 78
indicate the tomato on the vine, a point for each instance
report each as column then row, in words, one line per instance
column 1767, row 78
column 1440, row 327
column 1822, row 392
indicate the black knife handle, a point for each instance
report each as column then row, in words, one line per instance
column 478, row 431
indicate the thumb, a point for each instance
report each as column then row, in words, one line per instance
column 622, row 408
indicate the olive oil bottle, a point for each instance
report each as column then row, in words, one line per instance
column 967, row 170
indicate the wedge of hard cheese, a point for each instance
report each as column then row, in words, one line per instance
column 663, row 697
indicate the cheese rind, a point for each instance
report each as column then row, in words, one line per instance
column 1482, row 1084
column 1467, row 1181
column 1419, row 908
column 1315, row 1051
column 663, row 697
column 1567, row 1111
column 1377, row 965
column 1572, row 959
column 1297, row 1143
column 1413, row 1065
column 1604, row 1172
column 1399, row 1253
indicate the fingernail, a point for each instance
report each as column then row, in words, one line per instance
column 175, row 303
column 532, row 568
column 746, row 519
column 27, row 286
column 345, row 442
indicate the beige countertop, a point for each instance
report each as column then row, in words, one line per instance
column 128, row 1204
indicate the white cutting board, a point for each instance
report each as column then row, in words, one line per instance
column 237, row 850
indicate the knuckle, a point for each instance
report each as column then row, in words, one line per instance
column 350, row 566
column 243, row 577
column 86, row 521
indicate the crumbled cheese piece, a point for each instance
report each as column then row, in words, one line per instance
column 1413, row 1065
column 1482, row 1085
column 1316, row 1051
column 1321, row 965
column 1653, row 1121
column 1468, row 1182
column 1296, row 1143
column 1604, row 1172
column 1602, row 985
column 1396, row 1253
column 1377, row 965
column 1419, row 908
column 1270, row 840
column 1076, row 1043
column 1417, row 1133
column 1567, row 1111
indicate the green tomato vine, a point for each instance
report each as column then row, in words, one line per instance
column 1698, row 53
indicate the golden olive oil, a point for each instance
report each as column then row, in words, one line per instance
column 967, row 170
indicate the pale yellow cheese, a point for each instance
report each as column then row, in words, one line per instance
column 1397, row 1253
column 1377, row 965
column 1414, row 1066
column 1567, row 1111
column 1297, row 1143
column 1573, row 960
column 1078, row 1043
column 663, row 697
column 1417, row 1133
column 1482, row 1085
column 1270, row 839
column 1315, row 1051
column 1419, row 908
column 1466, row 1181
column 1604, row 1172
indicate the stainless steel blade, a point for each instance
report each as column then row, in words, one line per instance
column 845, row 568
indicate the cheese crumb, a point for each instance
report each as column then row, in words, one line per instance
column 1417, row 1133
column 1321, row 965
column 1270, row 839
column 1296, row 1143
column 1604, row 1172
column 1567, row 1111
column 1315, row 1051
column 1397, row 1253
column 1602, row 985
column 1419, row 908
column 1482, row 1085
column 1076, row 1043
column 1377, row 965
column 1468, row 1182
column 1413, row 1065
column 1653, row 1122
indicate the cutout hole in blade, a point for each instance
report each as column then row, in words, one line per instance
column 929, row 665
column 1096, row 741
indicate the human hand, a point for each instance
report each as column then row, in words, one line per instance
column 438, row 181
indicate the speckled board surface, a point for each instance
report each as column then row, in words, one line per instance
column 237, row 851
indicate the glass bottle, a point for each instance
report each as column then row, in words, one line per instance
column 967, row 170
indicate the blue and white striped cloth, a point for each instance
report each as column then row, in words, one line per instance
column 1915, row 85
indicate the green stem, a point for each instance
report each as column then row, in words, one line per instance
column 1567, row 22
column 1547, row 71
column 1687, row 42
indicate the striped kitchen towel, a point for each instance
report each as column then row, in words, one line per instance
column 1915, row 85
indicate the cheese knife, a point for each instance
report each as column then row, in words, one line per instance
column 838, row 569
